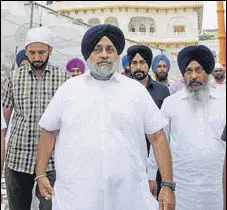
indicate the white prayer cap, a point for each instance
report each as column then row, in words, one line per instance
column 218, row 66
column 40, row 34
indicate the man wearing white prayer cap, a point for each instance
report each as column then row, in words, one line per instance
column 219, row 78
column 28, row 91
column 42, row 35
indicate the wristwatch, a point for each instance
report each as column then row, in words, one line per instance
column 171, row 185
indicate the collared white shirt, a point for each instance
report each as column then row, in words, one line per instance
column 101, row 148
column 196, row 148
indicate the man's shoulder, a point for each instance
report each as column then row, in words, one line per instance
column 131, row 83
column 131, row 87
column 58, row 70
column 156, row 84
column 160, row 86
column 217, row 93
column 74, row 81
column 173, row 98
column 16, row 72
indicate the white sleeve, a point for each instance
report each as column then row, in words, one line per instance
column 3, row 123
column 164, row 110
column 51, row 118
column 153, row 118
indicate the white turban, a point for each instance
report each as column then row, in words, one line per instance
column 218, row 66
column 41, row 34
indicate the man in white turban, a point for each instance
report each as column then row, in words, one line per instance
column 219, row 78
column 28, row 91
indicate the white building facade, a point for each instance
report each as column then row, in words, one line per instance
column 167, row 25
column 170, row 25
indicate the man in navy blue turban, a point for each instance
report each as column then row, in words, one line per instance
column 93, row 36
column 103, row 124
column 98, row 47
column 199, row 53
column 21, row 58
column 196, row 116
column 195, row 64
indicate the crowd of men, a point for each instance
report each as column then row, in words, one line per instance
column 96, row 139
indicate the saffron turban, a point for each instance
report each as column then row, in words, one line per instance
column 21, row 55
column 124, row 61
column 94, row 34
column 199, row 53
column 41, row 34
column 144, row 51
column 75, row 62
column 159, row 58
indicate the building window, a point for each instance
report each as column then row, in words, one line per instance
column 112, row 21
column 132, row 28
column 94, row 21
column 141, row 24
column 49, row 2
column 152, row 28
column 142, row 28
column 178, row 28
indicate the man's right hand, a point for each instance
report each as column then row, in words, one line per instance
column 153, row 188
column 45, row 188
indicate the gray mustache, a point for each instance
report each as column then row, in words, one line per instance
column 195, row 81
column 104, row 61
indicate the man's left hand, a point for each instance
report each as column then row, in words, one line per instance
column 166, row 199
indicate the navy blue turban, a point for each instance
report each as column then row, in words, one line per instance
column 94, row 34
column 21, row 55
column 199, row 53
column 143, row 51
column 159, row 58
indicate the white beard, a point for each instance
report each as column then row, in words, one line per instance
column 103, row 72
column 198, row 98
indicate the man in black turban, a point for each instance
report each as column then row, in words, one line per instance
column 140, row 59
column 145, row 54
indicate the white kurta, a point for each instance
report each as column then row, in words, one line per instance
column 197, row 150
column 101, row 148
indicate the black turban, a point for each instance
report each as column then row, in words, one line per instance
column 199, row 53
column 94, row 34
column 144, row 52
